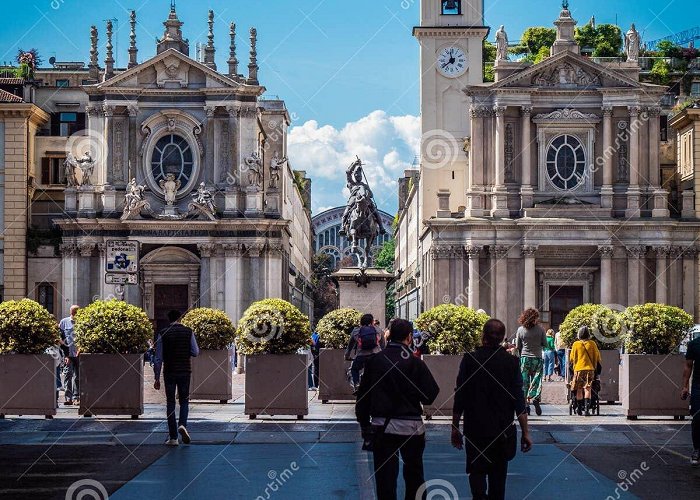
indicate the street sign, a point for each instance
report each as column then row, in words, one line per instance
column 121, row 279
column 122, row 257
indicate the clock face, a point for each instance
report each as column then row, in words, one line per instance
column 452, row 62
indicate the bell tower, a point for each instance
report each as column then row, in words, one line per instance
column 450, row 34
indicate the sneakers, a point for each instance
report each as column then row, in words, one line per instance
column 184, row 434
column 538, row 408
column 171, row 442
column 68, row 403
column 695, row 458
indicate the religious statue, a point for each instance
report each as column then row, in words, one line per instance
column 170, row 185
column 69, row 165
column 501, row 44
column 632, row 44
column 204, row 198
column 86, row 165
column 361, row 218
column 276, row 165
column 133, row 200
column 254, row 164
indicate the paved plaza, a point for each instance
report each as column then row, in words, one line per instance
column 321, row 457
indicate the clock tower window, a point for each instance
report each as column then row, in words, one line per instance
column 451, row 7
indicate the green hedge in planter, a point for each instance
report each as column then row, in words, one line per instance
column 26, row 327
column 112, row 327
column 605, row 324
column 655, row 328
column 272, row 326
column 212, row 328
column 335, row 327
column 452, row 329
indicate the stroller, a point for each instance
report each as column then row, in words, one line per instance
column 571, row 393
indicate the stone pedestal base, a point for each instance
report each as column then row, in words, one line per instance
column 475, row 202
column 111, row 201
column 527, row 197
column 688, row 204
column 499, row 202
column 660, row 206
column 273, row 202
column 87, row 202
column 232, row 202
column 71, row 201
column 170, row 211
column 253, row 201
column 366, row 299
column 606, row 197
column 633, row 197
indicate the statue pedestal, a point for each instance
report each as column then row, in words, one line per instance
column 273, row 202
column 170, row 211
column 71, row 201
column 370, row 299
column 232, row 202
column 87, row 202
column 109, row 200
column 253, row 201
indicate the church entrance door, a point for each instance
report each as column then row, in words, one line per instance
column 561, row 301
column 166, row 298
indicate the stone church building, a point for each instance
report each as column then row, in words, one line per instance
column 172, row 152
column 540, row 189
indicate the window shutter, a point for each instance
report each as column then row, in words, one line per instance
column 45, row 170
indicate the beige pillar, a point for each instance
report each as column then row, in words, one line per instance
column 634, row 254
column 690, row 281
column 475, row 194
column 233, row 281
column 661, row 275
column 499, row 202
column 69, row 285
column 530, row 278
column 473, row 253
column 633, row 191
column 526, row 191
column 499, row 266
column 606, row 191
column 659, row 196
column 606, row 285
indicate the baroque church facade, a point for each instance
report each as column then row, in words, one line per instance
column 541, row 189
column 187, row 160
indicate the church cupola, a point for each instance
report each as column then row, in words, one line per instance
column 172, row 38
column 566, row 25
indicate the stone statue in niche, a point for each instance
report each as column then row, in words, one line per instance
column 632, row 44
column 170, row 185
column 254, row 165
column 276, row 165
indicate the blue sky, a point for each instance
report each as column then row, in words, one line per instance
column 344, row 67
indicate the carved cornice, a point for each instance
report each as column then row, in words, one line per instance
column 568, row 115
column 580, row 274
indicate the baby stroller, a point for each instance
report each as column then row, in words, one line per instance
column 571, row 393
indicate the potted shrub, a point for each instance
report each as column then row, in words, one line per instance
column 111, row 336
column 607, row 331
column 211, row 370
column 334, row 330
column 28, row 375
column 451, row 331
column 269, row 334
column 651, row 370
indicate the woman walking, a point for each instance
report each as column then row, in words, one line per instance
column 549, row 356
column 529, row 340
column 585, row 358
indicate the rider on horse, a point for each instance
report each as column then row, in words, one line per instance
column 359, row 190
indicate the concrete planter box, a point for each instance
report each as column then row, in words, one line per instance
column 444, row 369
column 28, row 384
column 333, row 380
column 276, row 384
column 111, row 384
column 649, row 385
column 610, row 376
column 212, row 376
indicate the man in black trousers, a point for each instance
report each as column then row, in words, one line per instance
column 175, row 346
column 388, row 408
column 489, row 394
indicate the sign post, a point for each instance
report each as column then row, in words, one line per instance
column 122, row 264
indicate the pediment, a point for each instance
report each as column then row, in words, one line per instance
column 173, row 70
column 567, row 71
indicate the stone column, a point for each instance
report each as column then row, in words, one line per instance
column 274, row 278
column 661, row 275
column 255, row 252
column 206, row 250
column 233, row 282
column 475, row 195
column 530, row 278
column 526, row 191
column 606, row 191
column 499, row 199
column 659, row 205
column 690, row 281
column 633, row 191
column 441, row 278
column 107, row 151
column 606, row 280
column 634, row 254
column 473, row 254
column 69, row 286
column 209, row 153
column 133, row 165
column 499, row 264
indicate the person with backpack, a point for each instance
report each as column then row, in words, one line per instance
column 585, row 358
column 388, row 409
column 365, row 341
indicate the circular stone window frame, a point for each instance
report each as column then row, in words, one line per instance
column 585, row 174
column 547, row 133
column 172, row 122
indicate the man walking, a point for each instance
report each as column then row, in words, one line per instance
column 489, row 394
column 394, row 385
column 175, row 346
column 365, row 340
column 692, row 365
column 71, row 381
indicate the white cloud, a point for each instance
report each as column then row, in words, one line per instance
column 386, row 144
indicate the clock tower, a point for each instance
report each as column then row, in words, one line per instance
column 451, row 35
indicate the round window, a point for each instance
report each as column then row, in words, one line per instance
column 566, row 162
column 172, row 155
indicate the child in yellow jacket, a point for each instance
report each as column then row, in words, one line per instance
column 585, row 358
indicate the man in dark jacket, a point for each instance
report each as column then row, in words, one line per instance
column 393, row 387
column 365, row 340
column 489, row 394
column 175, row 347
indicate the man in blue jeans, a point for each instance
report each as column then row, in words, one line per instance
column 175, row 346
column 692, row 365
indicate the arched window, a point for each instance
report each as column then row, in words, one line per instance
column 451, row 7
column 172, row 155
column 566, row 162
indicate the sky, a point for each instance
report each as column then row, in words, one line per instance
column 348, row 70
